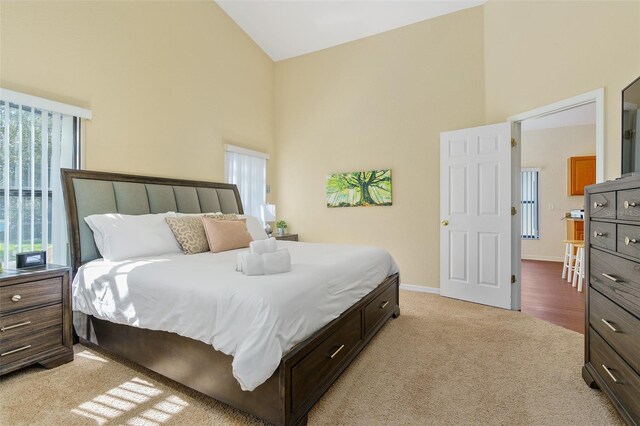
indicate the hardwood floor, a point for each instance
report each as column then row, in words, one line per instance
column 547, row 296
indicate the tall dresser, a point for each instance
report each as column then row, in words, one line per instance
column 612, row 338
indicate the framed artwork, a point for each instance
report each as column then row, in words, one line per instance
column 359, row 189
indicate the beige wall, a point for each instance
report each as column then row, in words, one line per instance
column 168, row 82
column 548, row 150
column 380, row 102
column 539, row 52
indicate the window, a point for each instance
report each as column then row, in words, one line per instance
column 529, row 204
column 38, row 137
column 248, row 170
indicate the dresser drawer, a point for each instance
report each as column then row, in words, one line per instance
column 629, row 204
column 324, row 359
column 14, row 349
column 616, row 373
column 380, row 308
column 603, row 235
column 616, row 278
column 618, row 327
column 603, row 205
column 31, row 294
column 22, row 324
column 629, row 240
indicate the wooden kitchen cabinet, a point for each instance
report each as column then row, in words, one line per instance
column 575, row 229
column 581, row 172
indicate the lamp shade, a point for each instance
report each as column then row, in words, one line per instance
column 268, row 212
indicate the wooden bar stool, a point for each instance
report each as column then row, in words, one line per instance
column 569, row 258
column 578, row 269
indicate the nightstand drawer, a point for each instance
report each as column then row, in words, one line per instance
column 21, row 347
column 32, row 294
column 25, row 323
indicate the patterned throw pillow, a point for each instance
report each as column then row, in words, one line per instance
column 189, row 231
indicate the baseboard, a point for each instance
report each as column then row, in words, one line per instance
column 543, row 258
column 419, row 288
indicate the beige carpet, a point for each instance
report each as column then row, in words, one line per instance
column 441, row 362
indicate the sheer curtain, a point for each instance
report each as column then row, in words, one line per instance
column 39, row 137
column 248, row 170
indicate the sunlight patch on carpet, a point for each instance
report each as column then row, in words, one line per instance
column 128, row 396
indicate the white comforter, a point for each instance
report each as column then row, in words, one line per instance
column 256, row 319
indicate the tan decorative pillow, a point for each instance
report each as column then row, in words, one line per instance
column 224, row 235
column 189, row 231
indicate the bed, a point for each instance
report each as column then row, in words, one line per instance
column 305, row 370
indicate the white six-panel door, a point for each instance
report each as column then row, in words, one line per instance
column 475, row 214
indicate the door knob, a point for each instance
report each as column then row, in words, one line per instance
column 445, row 223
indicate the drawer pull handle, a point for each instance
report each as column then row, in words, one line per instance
column 615, row 380
column 615, row 330
column 15, row 350
column 628, row 240
column 384, row 304
column 610, row 277
column 16, row 298
column 597, row 204
column 599, row 234
column 628, row 204
column 336, row 352
column 10, row 327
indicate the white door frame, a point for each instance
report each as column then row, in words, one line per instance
column 596, row 96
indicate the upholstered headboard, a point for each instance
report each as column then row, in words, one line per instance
column 88, row 192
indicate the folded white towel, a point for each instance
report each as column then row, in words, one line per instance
column 253, row 264
column 263, row 246
column 277, row 262
column 264, row 264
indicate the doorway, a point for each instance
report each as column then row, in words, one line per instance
column 553, row 141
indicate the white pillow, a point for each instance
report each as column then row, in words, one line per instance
column 254, row 226
column 121, row 236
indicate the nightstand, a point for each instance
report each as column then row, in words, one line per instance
column 286, row 237
column 35, row 318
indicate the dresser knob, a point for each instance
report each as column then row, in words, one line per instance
column 16, row 298
column 598, row 234
column 597, row 204
column 628, row 240
column 628, row 204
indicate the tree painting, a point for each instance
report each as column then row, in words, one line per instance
column 372, row 188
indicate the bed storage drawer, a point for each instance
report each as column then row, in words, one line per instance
column 629, row 204
column 603, row 205
column 616, row 373
column 603, row 235
column 380, row 307
column 616, row 278
column 18, row 297
column 629, row 240
column 308, row 374
column 617, row 326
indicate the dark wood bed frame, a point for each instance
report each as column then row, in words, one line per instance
column 305, row 372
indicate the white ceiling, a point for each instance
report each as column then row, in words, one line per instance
column 288, row 28
column 579, row 116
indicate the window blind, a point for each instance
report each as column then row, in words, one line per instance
column 248, row 170
column 36, row 144
column 529, row 204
